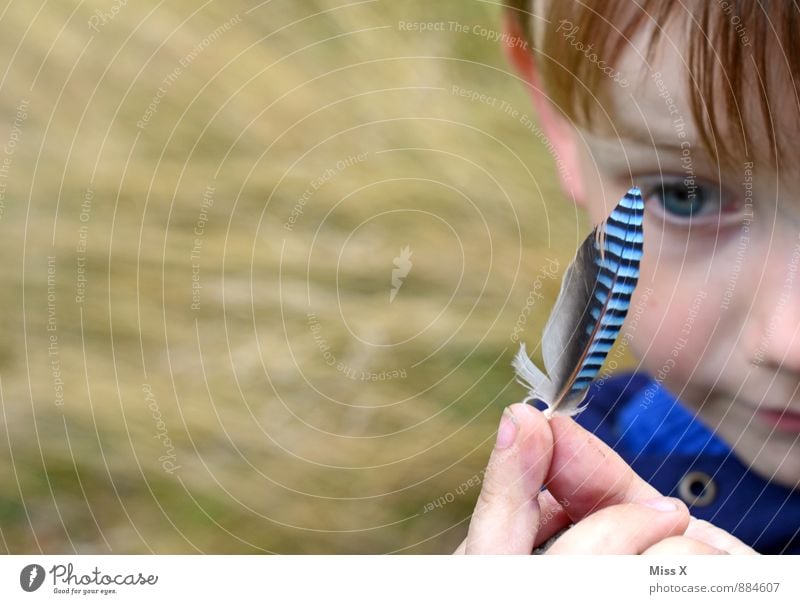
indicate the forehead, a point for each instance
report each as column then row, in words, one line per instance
column 724, row 114
column 638, row 125
column 657, row 103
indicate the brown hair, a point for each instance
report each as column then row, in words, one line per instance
column 738, row 49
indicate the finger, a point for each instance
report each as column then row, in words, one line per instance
column 507, row 512
column 587, row 474
column 628, row 528
column 552, row 518
column 700, row 530
column 680, row 544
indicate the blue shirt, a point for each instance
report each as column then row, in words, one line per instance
column 669, row 448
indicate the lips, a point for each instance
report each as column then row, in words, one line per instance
column 785, row 421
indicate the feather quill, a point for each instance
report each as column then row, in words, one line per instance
column 588, row 315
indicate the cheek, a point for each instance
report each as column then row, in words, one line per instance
column 671, row 320
column 683, row 332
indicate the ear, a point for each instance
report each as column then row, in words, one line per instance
column 555, row 126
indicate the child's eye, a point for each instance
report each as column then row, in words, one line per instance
column 683, row 202
column 680, row 201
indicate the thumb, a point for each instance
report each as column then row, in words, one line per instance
column 507, row 513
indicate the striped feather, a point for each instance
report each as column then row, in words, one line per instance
column 589, row 312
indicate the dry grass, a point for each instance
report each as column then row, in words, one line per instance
column 277, row 450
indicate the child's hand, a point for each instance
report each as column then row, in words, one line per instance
column 613, row 510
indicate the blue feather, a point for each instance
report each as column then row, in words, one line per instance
column 589, row 312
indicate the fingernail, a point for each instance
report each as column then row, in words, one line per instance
column 662, row 504
column 507, row 432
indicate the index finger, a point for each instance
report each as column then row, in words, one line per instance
column 587, row 474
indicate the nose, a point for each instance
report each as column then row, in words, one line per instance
column 773, row 329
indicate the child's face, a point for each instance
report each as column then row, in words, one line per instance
column 719, row 292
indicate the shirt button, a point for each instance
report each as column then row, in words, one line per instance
column 697, row 489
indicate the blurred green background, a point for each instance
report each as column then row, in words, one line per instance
column 203, row 204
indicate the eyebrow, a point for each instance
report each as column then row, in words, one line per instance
column 661, row 144
column 671, row 151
